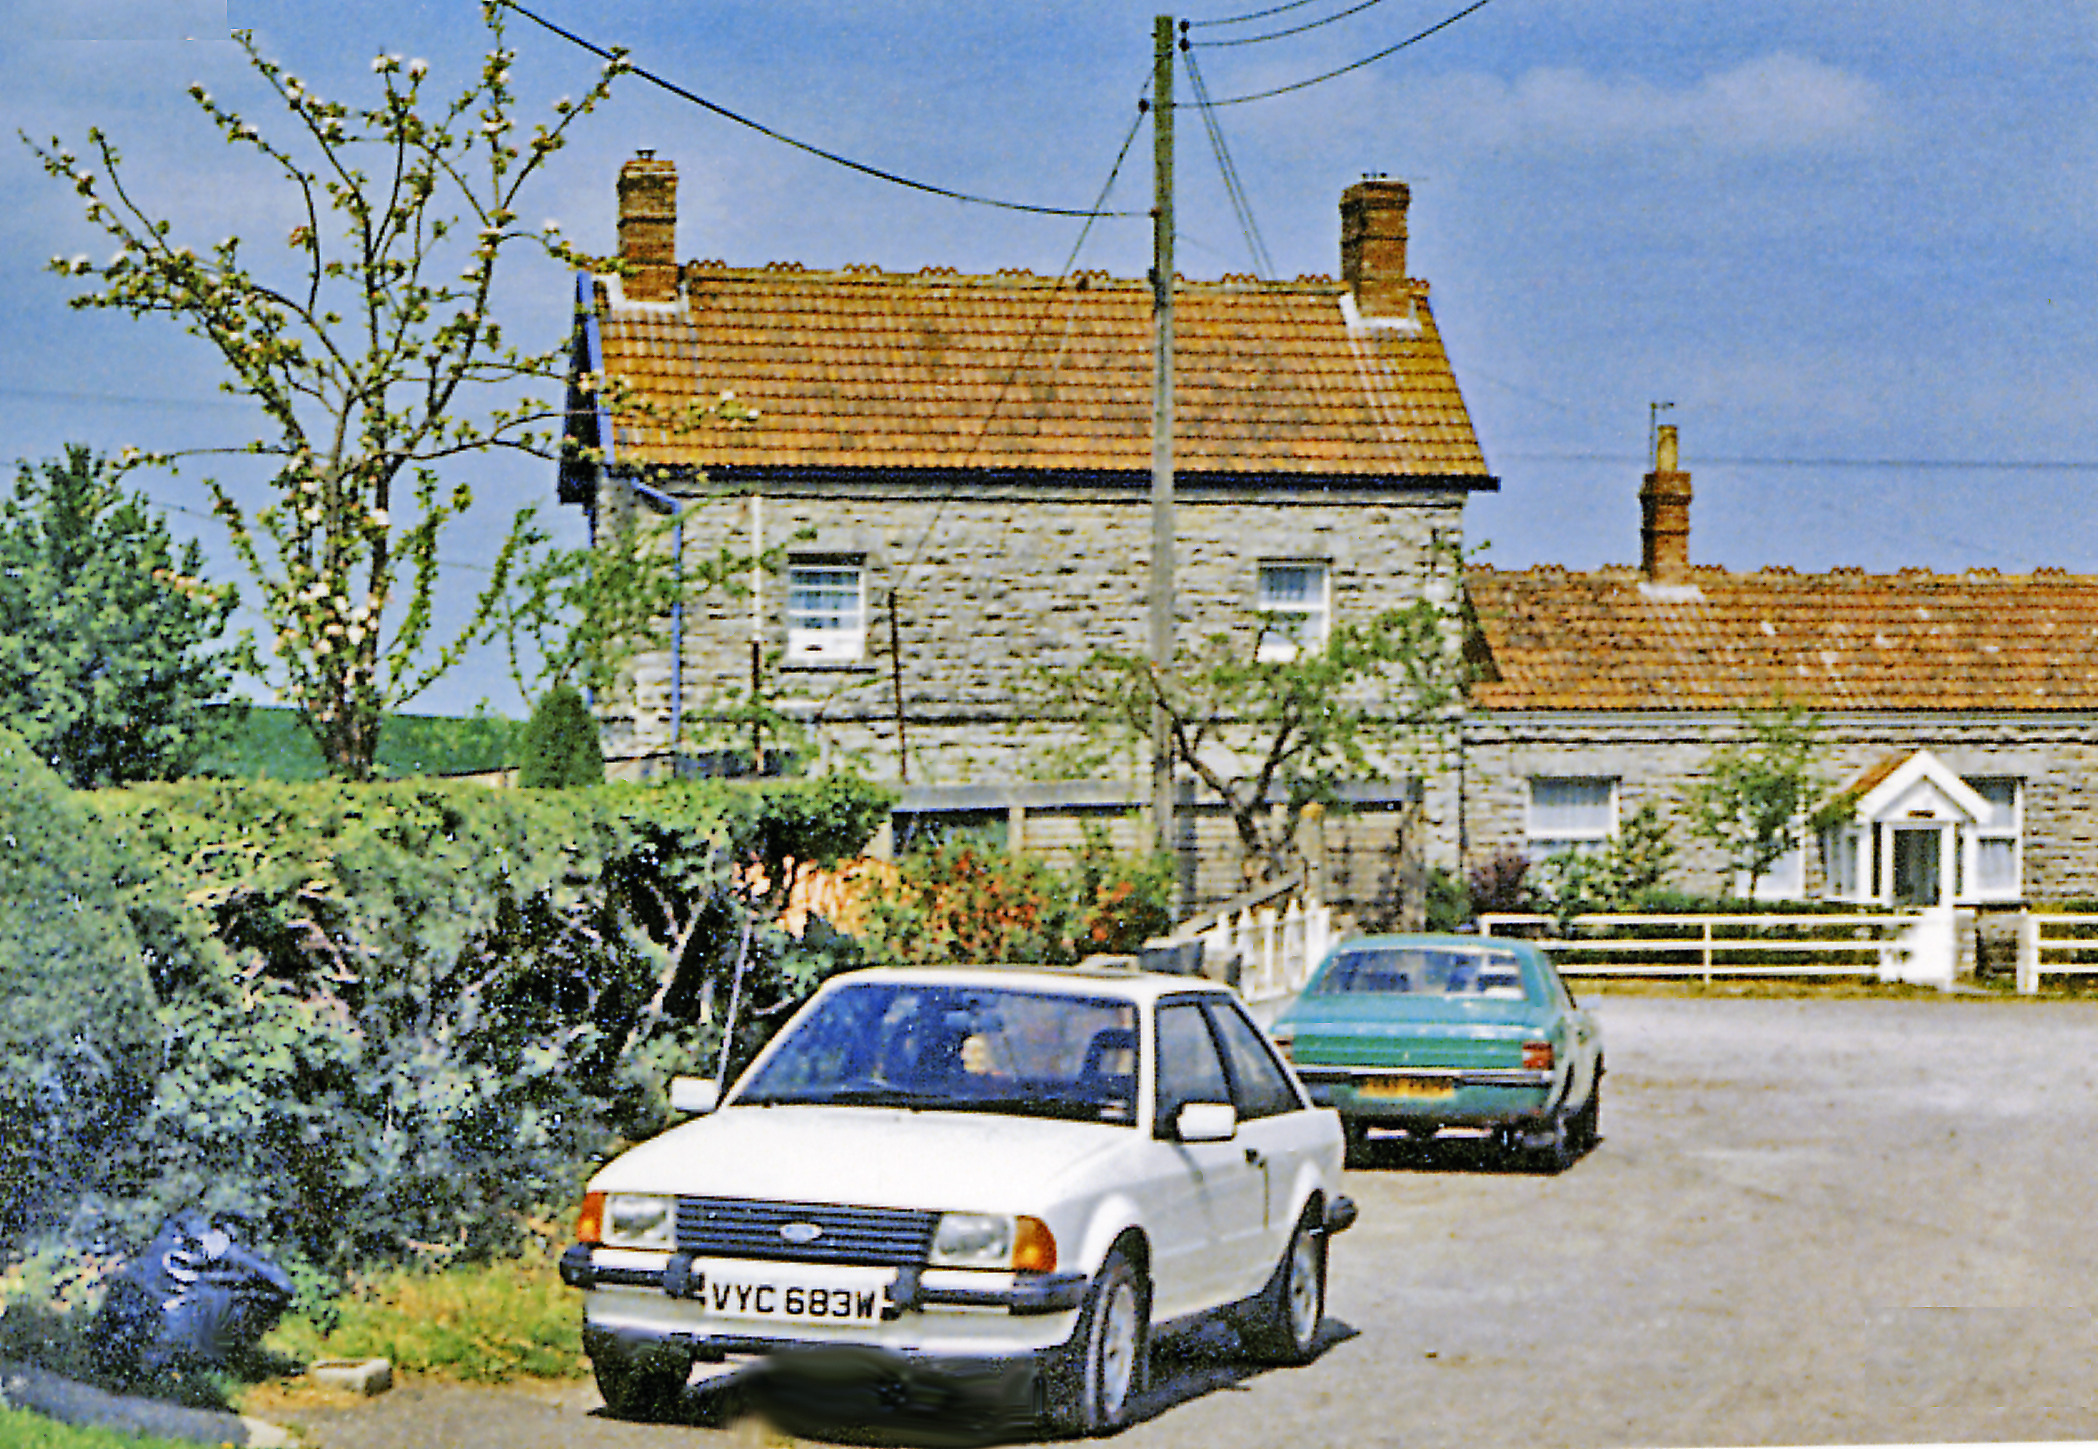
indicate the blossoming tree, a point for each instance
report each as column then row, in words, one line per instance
column 371, row 354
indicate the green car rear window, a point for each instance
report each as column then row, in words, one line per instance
column 1423, row 971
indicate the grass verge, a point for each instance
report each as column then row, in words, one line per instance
column 20, row 1429
column 484, row 1324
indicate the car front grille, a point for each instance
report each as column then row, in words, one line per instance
column 713, row 1227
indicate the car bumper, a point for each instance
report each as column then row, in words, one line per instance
column 813, row 1391
column 1443, row 1096
column 930, row 1313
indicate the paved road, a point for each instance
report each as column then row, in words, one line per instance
column 1809, row 1222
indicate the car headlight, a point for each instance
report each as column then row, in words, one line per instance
column 640, row 1220
column 993, row 1240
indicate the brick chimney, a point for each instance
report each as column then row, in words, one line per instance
column 648, row 227
column 1664, row 513
column 1373, row 246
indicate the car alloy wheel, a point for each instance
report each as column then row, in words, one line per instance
column 1107, row 1356
column 1283, row 1323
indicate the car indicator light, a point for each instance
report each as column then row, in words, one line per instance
column 590, row 1222
column 1537, row 1056
column 1287, row 1046
column 1034, row 1246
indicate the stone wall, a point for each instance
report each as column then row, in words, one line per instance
column 993, row 586
column 1655, row 756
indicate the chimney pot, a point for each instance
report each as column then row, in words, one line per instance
column 648, row 227
column 1664, row 508
column 1373, row 246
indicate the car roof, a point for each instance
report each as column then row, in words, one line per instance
column 1085, row 980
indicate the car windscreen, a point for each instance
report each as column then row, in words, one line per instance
column 1423, row 971
column 957, row 1048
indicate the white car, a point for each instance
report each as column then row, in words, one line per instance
column 971, row 1169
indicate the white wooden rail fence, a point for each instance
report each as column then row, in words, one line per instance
column 2055, row 952
column 1915, row 946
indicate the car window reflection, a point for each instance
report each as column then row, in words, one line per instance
column 957, row 1048
column 1415, row 970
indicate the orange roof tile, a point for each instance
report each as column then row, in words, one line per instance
column 864, row 369
column 1846, row 640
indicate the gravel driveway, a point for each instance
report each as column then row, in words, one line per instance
column 1809, row 1222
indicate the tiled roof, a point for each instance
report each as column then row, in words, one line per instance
column 1846, row 640
column 866, row 369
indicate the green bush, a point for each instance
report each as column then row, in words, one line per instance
column 561, row 747
column 399, row 1021
column 76, row 1006
column 966, row 900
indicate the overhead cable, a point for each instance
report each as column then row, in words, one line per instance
column 1389, row 50
column 785, row 140
column 1294, row 29
column 1234, row 188
column 1250, row 15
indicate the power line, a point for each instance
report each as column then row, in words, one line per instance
column 910, row 564
column 831, row 156
column 1294, row 29
column 1919, row 465
column 1389, row 50
column 1234, row 188
column 1252, row 15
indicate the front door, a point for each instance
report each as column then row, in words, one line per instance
column 1918, row 865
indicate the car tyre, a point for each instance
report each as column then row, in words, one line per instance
column 637, row 1389
column 1107, row 1363
column 1588, row 1122
column 1357, row 1135
column 1282, row 1324
column 1563, row 1147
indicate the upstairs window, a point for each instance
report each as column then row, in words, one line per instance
column 826, row 612
column 1291, row 600
column 1570, row 812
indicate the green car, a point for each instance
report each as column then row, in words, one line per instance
column 1420, row 1033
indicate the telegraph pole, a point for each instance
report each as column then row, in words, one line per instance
column 1162, row 421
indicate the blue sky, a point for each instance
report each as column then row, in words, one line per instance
column 1852, row 244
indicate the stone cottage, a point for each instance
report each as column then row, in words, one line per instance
column 957, row 471
column 1960, row 710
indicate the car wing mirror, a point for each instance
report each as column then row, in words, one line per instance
column 694, row 1096
column 1206, row 1122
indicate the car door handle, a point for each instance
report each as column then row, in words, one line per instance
column 1253, row 1157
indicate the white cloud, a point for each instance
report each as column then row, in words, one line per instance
column 1775, row 103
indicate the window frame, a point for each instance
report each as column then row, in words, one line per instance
column 813, row 645
column 1539, row 845
column 1315, row 617
column 1973, row 837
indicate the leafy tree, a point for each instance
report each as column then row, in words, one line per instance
column 560, row 744
column 371, row 353
column 1754, row 797
column 107, row 661
column 76, row 1006
column 1271, row 737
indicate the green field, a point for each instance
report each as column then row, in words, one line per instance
column 275, row 746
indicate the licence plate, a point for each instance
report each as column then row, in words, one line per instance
column 775, row 1293
column 1389, row 1087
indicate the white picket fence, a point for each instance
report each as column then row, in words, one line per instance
column 2042, row 952
column 1915, row 946
column 1266, row 941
